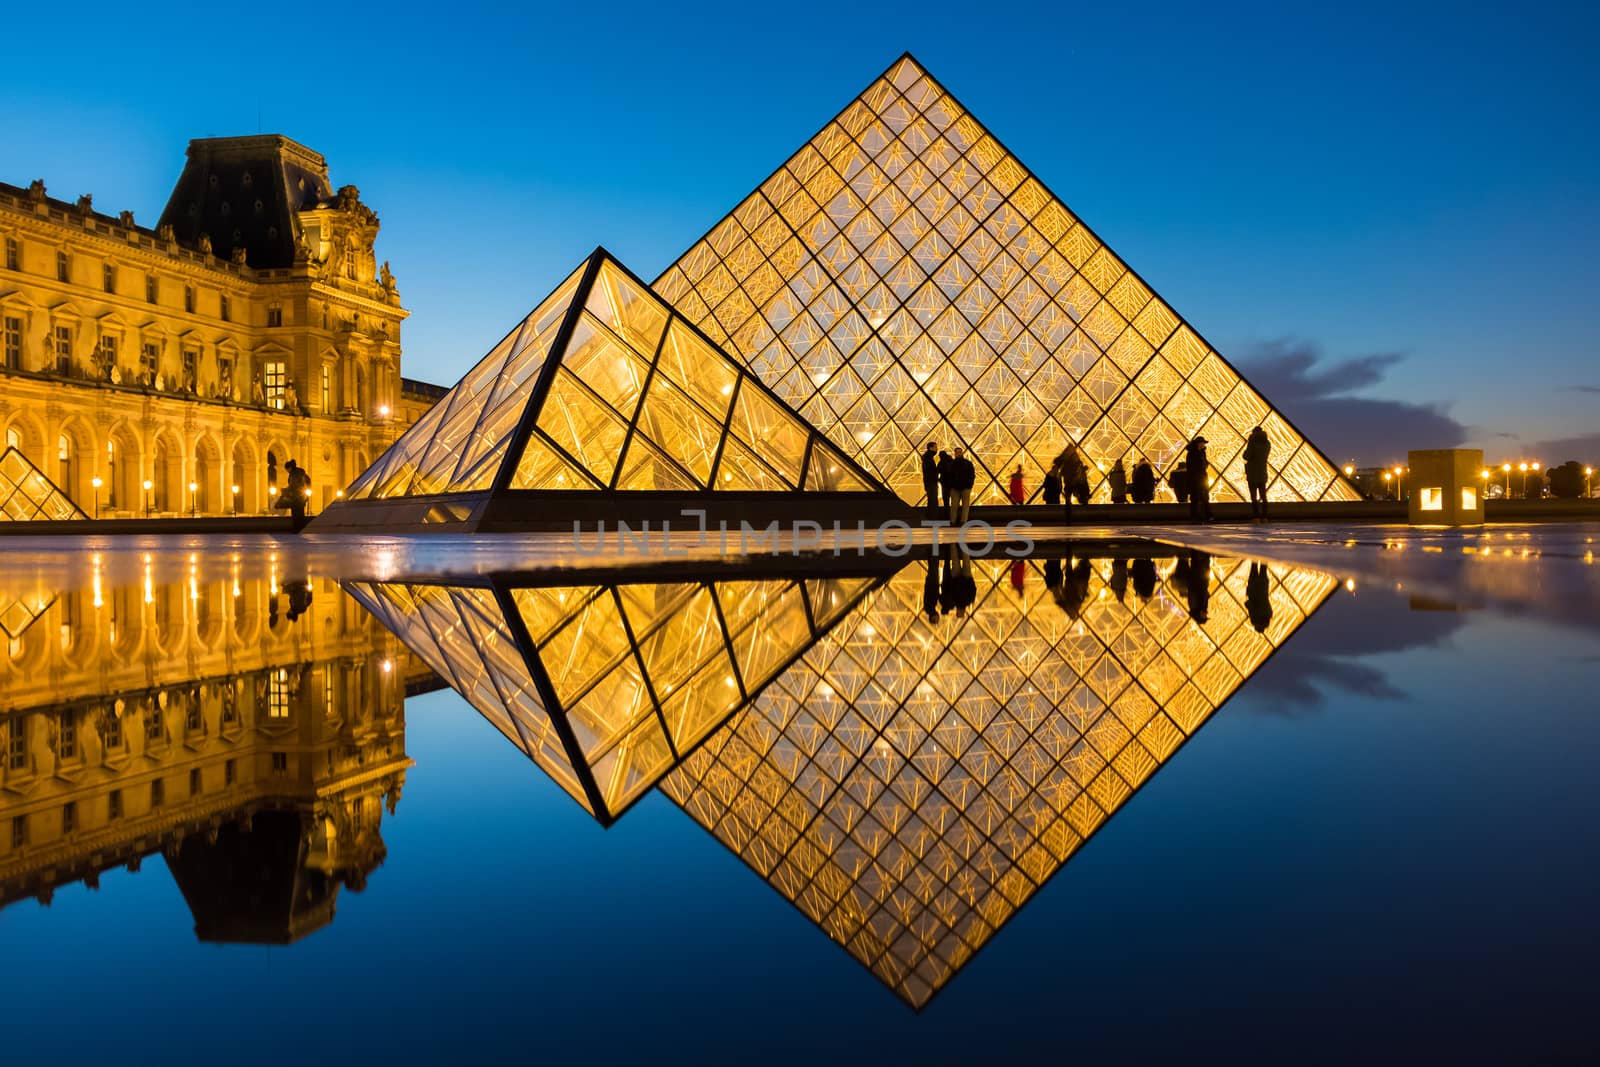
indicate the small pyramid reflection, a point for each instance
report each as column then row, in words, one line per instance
column 603, row 388
column 607, row 687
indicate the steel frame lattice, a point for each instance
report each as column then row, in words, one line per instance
column 26, row 495
column 903, row 278
column 908, row 788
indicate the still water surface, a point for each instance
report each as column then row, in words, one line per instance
column 1106, row 800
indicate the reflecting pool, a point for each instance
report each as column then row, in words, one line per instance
column 643, row 812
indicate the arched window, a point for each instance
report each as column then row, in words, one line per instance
column 13, row 439
column 64, row 464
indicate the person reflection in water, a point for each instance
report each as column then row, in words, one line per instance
column 1119, row 580
column 1019, row 570
column 960, row 590
column 1257, row 598
column 1052, row 576
column 299, row 598
column 1144, row 578
column 1074, row 589
column 930, row 590
column 1192, row 577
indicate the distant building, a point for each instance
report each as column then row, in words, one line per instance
column 251, row 326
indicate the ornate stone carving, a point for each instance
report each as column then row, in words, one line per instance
column 165, row 232
column 203, row 243
column 237, row 256
column 125, row 218
column 85, row 204
column 386, row 277
column 349, row 201
column 36, row 190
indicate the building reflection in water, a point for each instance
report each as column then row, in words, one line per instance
column 906, row 758
column 250, row 729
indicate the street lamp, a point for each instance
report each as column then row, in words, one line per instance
column 1386, row 477
column 149, row 500
column 1588, row 475
column 97, row 483
column 1506, row 467
column 1399, row 485
column 235, row 489
column 1534, row 466
column 1522, row 480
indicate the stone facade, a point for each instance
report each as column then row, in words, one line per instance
column 177, row 369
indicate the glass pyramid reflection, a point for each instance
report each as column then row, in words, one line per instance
column 903, row 278
column 606, row 687
column 603, row 388
column 909, row 784
column 27, row 495
column 906, row 759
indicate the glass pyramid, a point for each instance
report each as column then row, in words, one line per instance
column 26, row 494
column 607, row 687
column 603, row 387
column 903, row 278
column 909, row 784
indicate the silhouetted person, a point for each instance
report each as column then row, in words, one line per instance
column 1073, row 473
column 1118, row 480
column 1256, row 450
column 1258, row 598
column 1119, row 579
column 1199, row 481
column 1178, row 482
column 1144, row 578
column 930, row 475
column 1014, row 491
column 1144, row 482
column 1052, row 575
column 296, row 492
column 930, row 590
column 962, row 475
column 943, row 470
column 1051, row 487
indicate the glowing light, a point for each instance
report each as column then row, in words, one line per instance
column 387, row 665
column 383, row 411
column 338, row 492
column 1350, row 585
column 1348, row 470
column 96, row 482
column 148, row 484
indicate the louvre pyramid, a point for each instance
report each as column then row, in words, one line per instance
column 606, row 687
column 27, row 495
column 603, row 387
column 904, row 278
column 908, row 786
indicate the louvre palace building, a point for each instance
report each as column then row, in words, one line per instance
column 176, row 369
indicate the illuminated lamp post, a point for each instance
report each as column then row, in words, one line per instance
column 1484, row 474
column 1588, row 476
column 97, row 483
column 193, row 488
column 1399, row 484
column 1522, row 479
column 235, row 489
column 272, row 491
column 1534, row 466
column 149, row 498
column 1386, row 477
column 1506, row 467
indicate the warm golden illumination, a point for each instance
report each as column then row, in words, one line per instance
column 903, row 274
column 907, row 784
column 629, row 397
column 1433, row 498
column 27, row 495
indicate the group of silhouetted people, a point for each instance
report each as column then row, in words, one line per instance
column 950, row 477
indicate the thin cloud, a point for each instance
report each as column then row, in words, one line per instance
column 1315, row 395
column 1585, row 388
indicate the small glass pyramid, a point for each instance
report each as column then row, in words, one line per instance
column 26, row 495
column 904, row 278
column 602, row 388
column 607, row 687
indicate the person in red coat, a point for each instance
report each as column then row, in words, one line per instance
column 1016, row 494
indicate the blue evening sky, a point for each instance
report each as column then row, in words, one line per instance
column 1355, row 181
